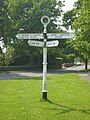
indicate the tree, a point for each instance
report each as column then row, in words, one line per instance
column 24, row 16
column 79, row 19
column 68, row 18
column 5, row 21
column 7, row 57
column 82, row 29
column 17, row 16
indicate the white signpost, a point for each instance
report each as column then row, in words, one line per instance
column 60, row 35
column 30, row 36
column 52, row 43
column 35, row 43
column 41, row 44
column 40, row 36
column 45, row 20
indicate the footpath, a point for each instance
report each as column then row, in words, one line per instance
column 19, row 74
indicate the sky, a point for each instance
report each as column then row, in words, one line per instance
column 68, row 5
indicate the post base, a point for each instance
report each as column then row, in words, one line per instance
column 44, row 95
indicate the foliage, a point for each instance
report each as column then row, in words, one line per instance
column 5, row 21
column 82, row 29
column 79, row 19
column 24, row 54
column 55, row 57
column 26, row 14
column 7, row 57
column 68, row 18
column 23, row 16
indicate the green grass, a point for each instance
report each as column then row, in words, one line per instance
column 68, row 94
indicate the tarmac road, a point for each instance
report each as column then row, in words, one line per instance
column 77, row 68
column 17, row 74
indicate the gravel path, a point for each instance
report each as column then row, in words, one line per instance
column 10, row 75
column 86, row 76
column 16, row 74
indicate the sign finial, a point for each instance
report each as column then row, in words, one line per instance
column 45, row 20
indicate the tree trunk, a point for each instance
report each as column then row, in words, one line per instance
column 86, row 64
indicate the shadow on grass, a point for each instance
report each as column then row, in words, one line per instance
column 62, row 109
column 28, row 78
column 22, row 78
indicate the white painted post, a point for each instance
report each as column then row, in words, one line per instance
column 44, row 86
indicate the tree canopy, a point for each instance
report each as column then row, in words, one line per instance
column 79, row 19
column 82, row 28
column 23, row 16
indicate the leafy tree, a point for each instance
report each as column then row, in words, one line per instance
column 5, row 21
column 79, row 19
column 7, row 57
column 25, row 17
column 68, row 18
column 82, row 29
column 26, row 14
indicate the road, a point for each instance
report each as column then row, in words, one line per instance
column 77, row 68
column 17, row 74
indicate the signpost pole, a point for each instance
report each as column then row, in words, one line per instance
column 44, row 86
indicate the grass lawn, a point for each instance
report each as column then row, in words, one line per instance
column 68, row 94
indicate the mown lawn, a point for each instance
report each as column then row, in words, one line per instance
column 68, row 94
